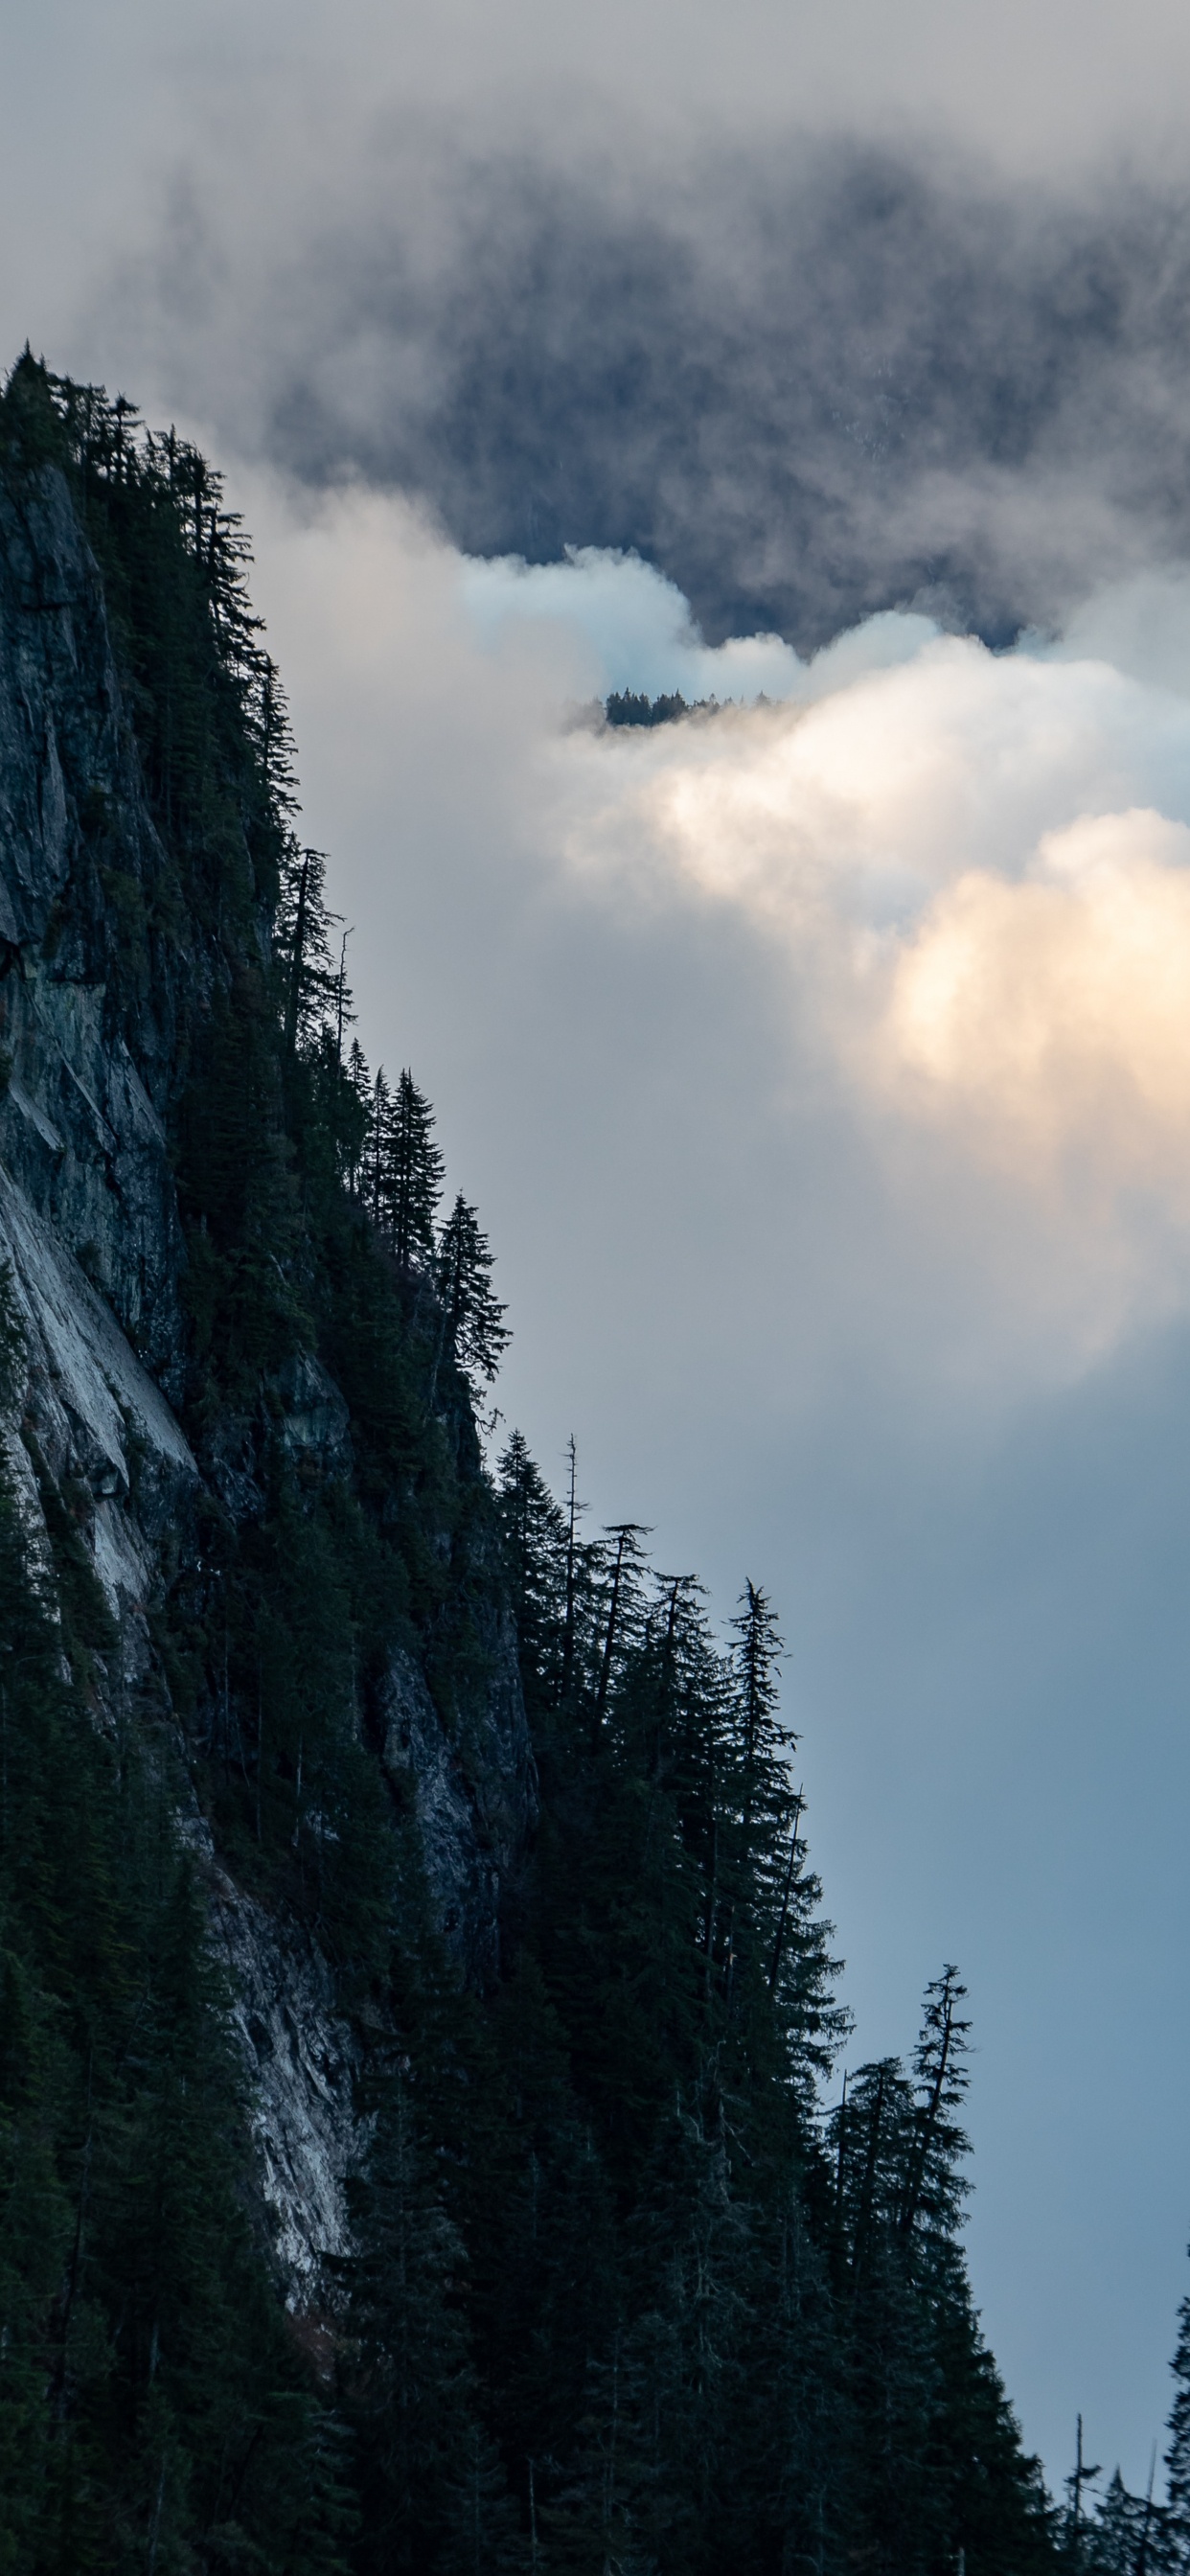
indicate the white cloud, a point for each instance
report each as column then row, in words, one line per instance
column 975, row 869
column 1052, row 1014
column 821, row 1072
column 946, row 892
column 635, row 627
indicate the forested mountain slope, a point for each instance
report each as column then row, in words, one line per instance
column 415, row 1998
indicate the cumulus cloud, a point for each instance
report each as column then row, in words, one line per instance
column 1053, row 1015
column 920, row 929
column 975, row 871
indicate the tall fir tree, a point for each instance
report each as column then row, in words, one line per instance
column 474, row 1332
column 413, row 1174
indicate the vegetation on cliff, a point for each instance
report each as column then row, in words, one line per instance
column 621, row 2294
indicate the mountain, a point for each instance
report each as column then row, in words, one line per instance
column 415, row 1999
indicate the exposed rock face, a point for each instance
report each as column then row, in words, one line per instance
column 90, row 1227
column 460, row 1870
column 472, row 1798
column 94, row 1416
column 303, row 2063
column 315, row 1422
column 81, row 1124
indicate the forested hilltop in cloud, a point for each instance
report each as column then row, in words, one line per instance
column 416, row 2005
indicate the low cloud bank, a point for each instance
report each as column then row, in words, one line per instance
column 821, row 1072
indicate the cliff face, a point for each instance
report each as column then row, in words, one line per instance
column 106, row 982
column 613, row 2288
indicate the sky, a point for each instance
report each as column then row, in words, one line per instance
column 820, row 1066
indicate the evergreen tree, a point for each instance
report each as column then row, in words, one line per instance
column 483, row 2535
column 764, row 1746
column 434, row 2496
column 376, row 1150
column 536, row 1553
column 1177, row 2457
column 1130, row 2534
column 934, row 2189
column 359, row 1083
column 149, row 2402
column 475, row 1333
column 624, row 1608
column 412, row 1174
column 312, row 973
column 1083, row 2476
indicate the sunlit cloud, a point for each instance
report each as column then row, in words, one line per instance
column 954, row 888
column 982, row 918
column 1052, row 1015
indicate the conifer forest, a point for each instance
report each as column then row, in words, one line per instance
column 390, row 1779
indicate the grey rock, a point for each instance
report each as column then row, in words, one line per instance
column 462, row 1876
column 302, row 2063
column 90, row 1010
column 315, row 1421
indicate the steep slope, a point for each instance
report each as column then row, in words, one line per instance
column 415, row 1997
column 115, row 971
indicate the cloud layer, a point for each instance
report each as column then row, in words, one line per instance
column 824, row 380
column 821, row 1072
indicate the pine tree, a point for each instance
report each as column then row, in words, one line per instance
column 376, row 1185
column 267, row 714
column 625, row 1610
column 1130, row 2534
column 359, row 1082
column 934, row 2189
column 1083, row 2476
column 412, row 1174
column 482, row 2535
column 1177, row 2457
column 313, row 979
column 537, row 1555
column 779, row 1971
column 408, row 2385
column 766, row 1789
column 474, row 1332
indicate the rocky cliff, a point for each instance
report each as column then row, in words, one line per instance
column 391, row 2184
column 116, row 962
